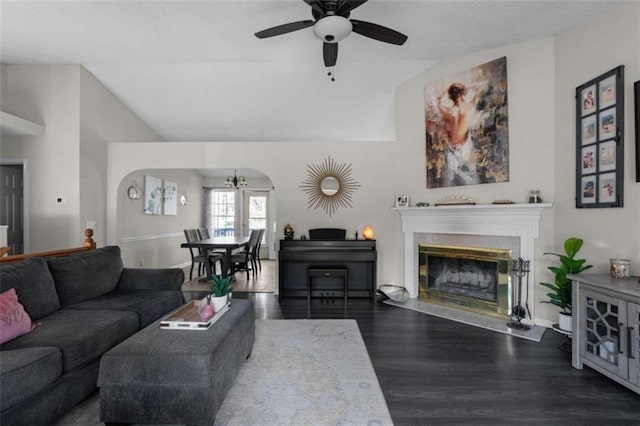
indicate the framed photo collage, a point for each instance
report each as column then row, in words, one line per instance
column 600, row 141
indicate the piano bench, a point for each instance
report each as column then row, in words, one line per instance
column 327, row 272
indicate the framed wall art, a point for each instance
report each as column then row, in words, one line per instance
column 170, row 198
column 467, row 127
column 152, row 195
column 600, row 141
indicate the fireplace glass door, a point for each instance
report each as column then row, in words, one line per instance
column 471, row 278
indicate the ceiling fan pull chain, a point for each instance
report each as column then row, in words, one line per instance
column 331, row 74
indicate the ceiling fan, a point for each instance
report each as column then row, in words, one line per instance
column 331, row 24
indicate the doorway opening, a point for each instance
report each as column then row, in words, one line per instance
column 12, row 213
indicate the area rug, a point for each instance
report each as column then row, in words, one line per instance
column 306, row 372
column 301, row 372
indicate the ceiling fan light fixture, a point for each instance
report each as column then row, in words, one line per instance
column 332, row 29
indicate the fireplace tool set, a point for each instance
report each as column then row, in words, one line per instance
column 520, row 269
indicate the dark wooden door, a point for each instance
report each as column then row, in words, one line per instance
column 12, row 208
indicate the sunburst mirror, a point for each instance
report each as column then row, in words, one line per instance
column 329, row 185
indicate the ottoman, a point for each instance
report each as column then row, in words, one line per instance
column 175, row 376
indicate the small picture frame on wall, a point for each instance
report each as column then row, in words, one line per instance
column 600, row 141
column 402, row 201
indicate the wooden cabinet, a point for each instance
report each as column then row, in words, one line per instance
column 606, row 323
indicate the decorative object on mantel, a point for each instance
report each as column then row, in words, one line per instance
column 236, row 181
column 534, row 196
column 561, row 288
column 600, row 141
column 367, row 232
column 134, row 192
column 502, row 202
column 520, row 268
column 329, row 185
column 422, row 204
column 288, row 232
column 466, row 123
column 453, row 200
column 402, row 201
column 620, row 268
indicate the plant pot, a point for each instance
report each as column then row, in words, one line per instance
column 565, row 321
column 219, row 302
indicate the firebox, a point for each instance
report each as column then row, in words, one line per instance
column 476, row 279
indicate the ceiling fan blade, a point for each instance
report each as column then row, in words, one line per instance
column 315, row 5
column 330, row 54
column 348, row 5
column 378, row 32
column 285, row 28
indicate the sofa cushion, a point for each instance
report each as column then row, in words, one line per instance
column 82, row 335
column 150, row 305
column 85, row 275
column 14, row 321
column 34, row 285
column 25, row 372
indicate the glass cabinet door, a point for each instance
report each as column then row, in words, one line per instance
column 633, row 339
column 603, row 325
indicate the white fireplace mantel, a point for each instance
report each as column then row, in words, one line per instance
column 510, row 220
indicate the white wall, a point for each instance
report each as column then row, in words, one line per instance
column 583, row 53
column 154, row 240
column 47, row 94
column 103, row 119
column 70, row 160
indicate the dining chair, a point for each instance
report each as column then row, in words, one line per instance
column 245, row 260
column 259, row 245
column 192, row 235
column 204, row 234
column 199, row 258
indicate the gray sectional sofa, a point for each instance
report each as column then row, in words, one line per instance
column 84, row 304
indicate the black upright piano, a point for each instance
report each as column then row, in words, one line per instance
column 297, row 256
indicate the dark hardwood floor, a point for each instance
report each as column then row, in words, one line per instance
column 435, row 371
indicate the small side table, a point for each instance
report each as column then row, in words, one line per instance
column 565, row 346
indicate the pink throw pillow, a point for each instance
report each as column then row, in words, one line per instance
column 14, row 321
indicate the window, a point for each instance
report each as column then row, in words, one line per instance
column 220, row 211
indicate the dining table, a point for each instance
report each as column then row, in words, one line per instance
column 227, row 243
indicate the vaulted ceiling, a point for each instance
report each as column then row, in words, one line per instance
column 194, row 71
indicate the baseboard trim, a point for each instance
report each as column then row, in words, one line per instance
column 181, row 265
column 151, row 237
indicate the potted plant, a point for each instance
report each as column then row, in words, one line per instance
column 221, row 289
column 561, row 292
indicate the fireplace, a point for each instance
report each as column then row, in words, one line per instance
column 511, row 227
column 476, row 279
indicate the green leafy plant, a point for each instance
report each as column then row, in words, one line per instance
column 561, row 288
column 221, row 286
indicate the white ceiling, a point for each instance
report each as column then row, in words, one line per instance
column 193, row 70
